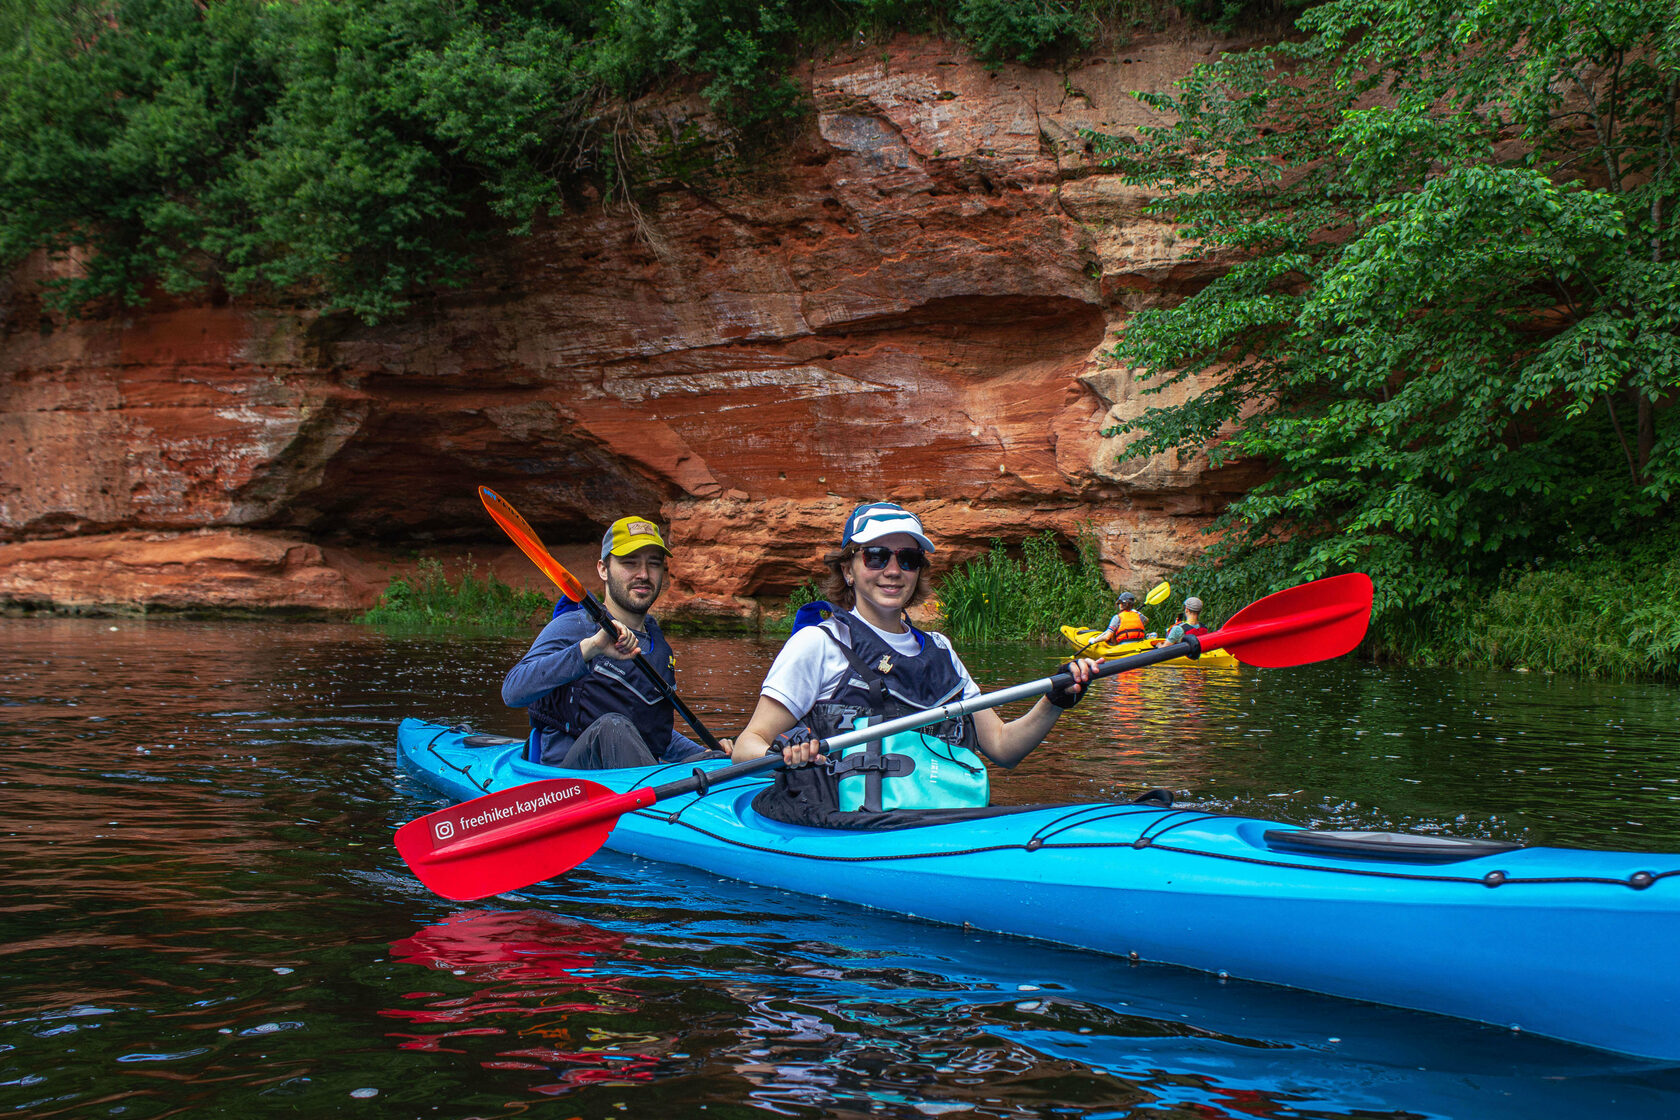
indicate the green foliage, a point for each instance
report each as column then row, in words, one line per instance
column 1022, row 30
column 1452, row 322
column 1599, row 608
column 349, row 145
column 741, row 47
column 430, row 600
column 1230, row 16
column 997, row 596
column 807, row 592
column 354, row 153
column 114, row 140
column 1581, row 624
column 1613, row 612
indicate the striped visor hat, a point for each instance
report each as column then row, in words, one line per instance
column 874, row 520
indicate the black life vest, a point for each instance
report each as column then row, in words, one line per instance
column 615, row 686
column 885, row 684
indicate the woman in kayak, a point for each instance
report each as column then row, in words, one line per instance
column 866, row 664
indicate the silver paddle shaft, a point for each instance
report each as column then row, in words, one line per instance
column 956, row 709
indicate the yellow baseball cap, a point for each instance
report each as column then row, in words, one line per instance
column 628, row 534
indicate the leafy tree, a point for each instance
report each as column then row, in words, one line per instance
column 1451, row 320
column 397, row 126
column 115, row 124
column 1013, row 31
column 351, row 146
column 356, row 152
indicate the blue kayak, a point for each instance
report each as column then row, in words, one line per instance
column 1571, row 944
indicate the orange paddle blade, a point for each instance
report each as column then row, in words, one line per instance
column 521, row 534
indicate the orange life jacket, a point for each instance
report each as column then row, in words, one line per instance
column 1129, row 628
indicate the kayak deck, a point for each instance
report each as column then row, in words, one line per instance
column 1511, row 936
column 1084, row 638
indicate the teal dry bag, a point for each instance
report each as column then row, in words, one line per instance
column 914, row 771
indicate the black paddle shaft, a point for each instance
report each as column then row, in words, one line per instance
column 605, row 620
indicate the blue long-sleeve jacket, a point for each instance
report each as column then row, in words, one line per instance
column 554, row 660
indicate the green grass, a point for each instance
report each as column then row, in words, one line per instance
column 1614, row 614
column 999, row 596
column 430, row 600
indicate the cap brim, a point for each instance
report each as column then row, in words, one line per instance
column 871, row 533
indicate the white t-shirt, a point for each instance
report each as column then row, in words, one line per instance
column 811, row 667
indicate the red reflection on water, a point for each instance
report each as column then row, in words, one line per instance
column 1242, row 1102
column 524, row 964
column 509, row 944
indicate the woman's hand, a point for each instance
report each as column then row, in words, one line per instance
column 798, row 747
column 1066, row 696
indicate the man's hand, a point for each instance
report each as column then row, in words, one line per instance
column 619, row 643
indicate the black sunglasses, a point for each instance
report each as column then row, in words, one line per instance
column 875, row 558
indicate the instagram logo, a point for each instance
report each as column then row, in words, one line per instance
column 444, row 830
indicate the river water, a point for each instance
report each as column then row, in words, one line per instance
column 203, row 915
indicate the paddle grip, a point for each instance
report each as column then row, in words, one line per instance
column 717, row 777
column 1190, row 647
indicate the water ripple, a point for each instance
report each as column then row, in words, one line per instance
column 204, row 914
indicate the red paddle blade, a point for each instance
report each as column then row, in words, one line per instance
column 522, row 535
column 1313, row 622
column 513, row 838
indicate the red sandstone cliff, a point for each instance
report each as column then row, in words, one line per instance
column 912, row 303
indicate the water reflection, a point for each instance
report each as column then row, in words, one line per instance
column 817, row 1008
column 203, row 914
column 539, row 970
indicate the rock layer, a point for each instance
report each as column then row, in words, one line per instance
column 912, row 302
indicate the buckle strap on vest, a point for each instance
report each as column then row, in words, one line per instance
column 891, row 765
column 874, row 765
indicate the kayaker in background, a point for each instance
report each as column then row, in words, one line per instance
column 1127, row 624
column 591, row 706
column 1191, row 621
column 867, row 663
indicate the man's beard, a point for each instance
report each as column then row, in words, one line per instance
column 618, row 589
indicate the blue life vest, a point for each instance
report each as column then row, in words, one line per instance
column 932, row 767
column 615, row 686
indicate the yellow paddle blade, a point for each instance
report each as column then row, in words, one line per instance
column 1158, row 594
column 522, row 535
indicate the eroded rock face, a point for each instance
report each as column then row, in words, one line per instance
column 911, row 303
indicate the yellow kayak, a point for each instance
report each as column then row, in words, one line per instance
column 1081, row 636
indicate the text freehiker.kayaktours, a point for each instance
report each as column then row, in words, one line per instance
column 499, row 813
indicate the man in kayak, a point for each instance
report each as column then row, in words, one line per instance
column 1127, row 624
column 866, row 664
column 591, row 706
column 1191, row 621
